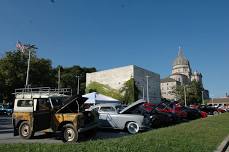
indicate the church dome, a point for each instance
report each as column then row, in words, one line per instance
column 180, row 59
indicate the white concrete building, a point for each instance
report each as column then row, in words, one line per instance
column 116, row 78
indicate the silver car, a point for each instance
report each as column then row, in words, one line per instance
column 114, row 116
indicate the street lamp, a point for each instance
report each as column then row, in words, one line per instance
column 212, row 99
column 143, row 92
column 202, row 97
column 185, row 98
column 78, row 84
column 147, row 88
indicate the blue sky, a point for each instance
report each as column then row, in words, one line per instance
column 111, row 33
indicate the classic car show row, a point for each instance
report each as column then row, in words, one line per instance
column 57, row 111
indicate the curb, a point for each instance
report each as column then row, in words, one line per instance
column 224, row 145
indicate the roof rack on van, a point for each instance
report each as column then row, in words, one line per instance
column 42, row 91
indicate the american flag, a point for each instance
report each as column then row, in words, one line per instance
column 21, row 47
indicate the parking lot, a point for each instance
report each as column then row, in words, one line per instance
column 6, row 134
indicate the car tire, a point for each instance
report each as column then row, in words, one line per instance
column 25, row 130
column 70, row 134
column 132, row 127
column 215, row 113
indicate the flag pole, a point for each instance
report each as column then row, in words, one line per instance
column 23, row 48
column 28, row 68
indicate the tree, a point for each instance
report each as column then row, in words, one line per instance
column 127, row 94
column 104, row 89
column 193, row 92
column 13, row 68
column 130, row 91
column 69, row 79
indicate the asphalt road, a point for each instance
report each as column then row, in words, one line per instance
column 6, row 134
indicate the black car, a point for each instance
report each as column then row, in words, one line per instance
column 192, row 114
column 162, row 119
column 157, row 118
column 208, row 109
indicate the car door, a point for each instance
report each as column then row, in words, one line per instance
column 42, row 114
column 105, row 116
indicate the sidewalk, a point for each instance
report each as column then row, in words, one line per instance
column 224, row 146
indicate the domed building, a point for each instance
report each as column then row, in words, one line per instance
column 181, row 75
column 181, row 70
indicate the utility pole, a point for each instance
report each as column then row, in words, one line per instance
column 185, row 98
column 147, row 88
column 78, row 84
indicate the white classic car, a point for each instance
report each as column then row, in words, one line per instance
column 114, row 116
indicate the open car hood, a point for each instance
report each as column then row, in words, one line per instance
column 136, row 103
column 72, row 104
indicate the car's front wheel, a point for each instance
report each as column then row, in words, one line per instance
column 25, row 130
column 69, row 133
column 132, row 127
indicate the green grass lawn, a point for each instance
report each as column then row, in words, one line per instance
column 196, row 136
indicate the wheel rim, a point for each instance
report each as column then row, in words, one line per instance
column 69, row 134
column 215, row 113
column 25, row 130
column 133, row 128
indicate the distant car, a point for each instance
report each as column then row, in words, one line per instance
column 114, row 116
column 209, row 109
column 5, row 110
column 221, row 108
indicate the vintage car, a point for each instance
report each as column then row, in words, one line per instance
column 209, row 109
column 114, row 116
column 51, row 110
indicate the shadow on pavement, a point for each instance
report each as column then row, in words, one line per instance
column 6, row 127
column 100, row 134
column 6, row 131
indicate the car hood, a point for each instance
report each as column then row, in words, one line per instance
column 136, row 103
column 72, row 104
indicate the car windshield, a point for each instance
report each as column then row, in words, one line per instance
column 119, row 108
column 58, row 101
column 6, row 106
column 107, row 109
